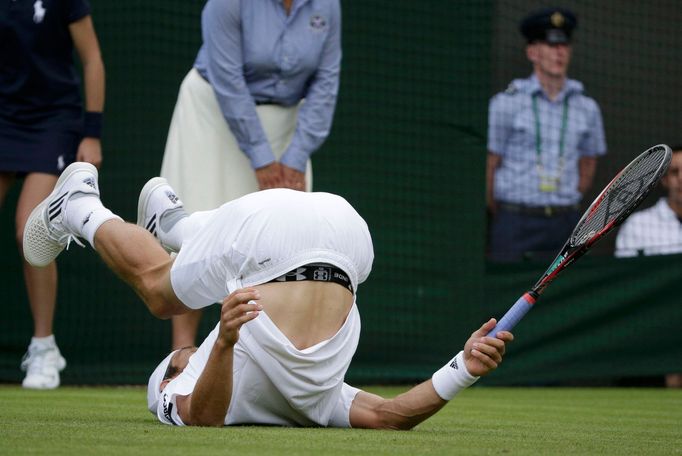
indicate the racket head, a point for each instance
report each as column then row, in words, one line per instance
column 613, row 205
column 622, row 195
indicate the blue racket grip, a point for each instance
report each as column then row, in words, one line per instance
column 514, row 315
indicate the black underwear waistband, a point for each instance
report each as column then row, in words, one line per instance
column 320, row 272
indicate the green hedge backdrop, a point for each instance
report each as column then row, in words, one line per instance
column 407, row 149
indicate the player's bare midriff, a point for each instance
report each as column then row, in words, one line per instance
column 306, row 312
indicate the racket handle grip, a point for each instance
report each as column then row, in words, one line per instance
column 514, row 315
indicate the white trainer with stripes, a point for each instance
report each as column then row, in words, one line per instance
column 46, row 234
column 157, row 204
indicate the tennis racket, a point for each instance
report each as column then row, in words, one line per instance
column 613, row 205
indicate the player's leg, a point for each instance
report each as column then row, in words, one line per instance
column 74, row 210
column 43, row 360
column 133, row 254
column 161, row 212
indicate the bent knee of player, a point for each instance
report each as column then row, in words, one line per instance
column 159, row 297
column 158, row 307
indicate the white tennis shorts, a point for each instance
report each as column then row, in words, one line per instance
column 202, row 160
column 264, row 235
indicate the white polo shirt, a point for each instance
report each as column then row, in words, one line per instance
column 653, row 231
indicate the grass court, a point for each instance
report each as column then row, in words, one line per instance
column 480, row 421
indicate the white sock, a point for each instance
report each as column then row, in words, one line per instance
column 177, row 228
column 43, row 342
column 171, row 229
column 84, row 214
column 452, row 378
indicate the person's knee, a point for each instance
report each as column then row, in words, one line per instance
column 158, row 295
column 159, row 308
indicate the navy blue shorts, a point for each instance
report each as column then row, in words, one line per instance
column 46, row 147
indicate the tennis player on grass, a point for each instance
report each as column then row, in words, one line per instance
column 290, row 264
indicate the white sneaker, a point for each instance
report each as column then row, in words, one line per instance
column 158, row 203
column 45, row 234
column 42, row 366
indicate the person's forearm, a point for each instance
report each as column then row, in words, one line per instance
column 587, row 167
column 213, row 391
column 492, row 162
column 412, row 407
column 94, row 79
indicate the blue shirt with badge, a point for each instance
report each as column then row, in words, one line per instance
column 253, row 52
column 38, row 78
column 541, row 141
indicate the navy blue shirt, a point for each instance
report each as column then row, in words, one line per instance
column 38, row 78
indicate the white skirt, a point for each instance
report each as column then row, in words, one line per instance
column 203, row 161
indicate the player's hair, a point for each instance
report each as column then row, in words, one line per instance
column 171, row 370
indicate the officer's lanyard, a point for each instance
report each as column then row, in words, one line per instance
column 538, row 137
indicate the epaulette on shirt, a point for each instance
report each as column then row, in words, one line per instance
column 511, row 89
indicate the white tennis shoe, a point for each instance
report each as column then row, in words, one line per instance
column 42, row 366
column 158, row 208
column 45, row 233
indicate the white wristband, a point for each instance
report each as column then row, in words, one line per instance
column 452, row 378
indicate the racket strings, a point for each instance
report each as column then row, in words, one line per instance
column 622, row 196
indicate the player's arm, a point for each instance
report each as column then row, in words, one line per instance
column 401, row 413
column 207, row 405
column 480, row 356
column 85, row 41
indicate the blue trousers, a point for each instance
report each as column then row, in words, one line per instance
column 515, row 236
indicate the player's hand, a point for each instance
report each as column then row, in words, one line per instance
column 269, row 176
column 293, row 178
column 483, row 354
column 237, row 309
column 90, row 150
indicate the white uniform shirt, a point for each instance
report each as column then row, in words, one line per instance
column 250, row 241
column 274, row 383
column 653, row 231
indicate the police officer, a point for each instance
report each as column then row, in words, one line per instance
column 544, row 138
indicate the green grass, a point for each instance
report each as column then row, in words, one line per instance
column 506, row 421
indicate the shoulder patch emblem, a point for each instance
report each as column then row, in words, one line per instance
column 511, row 89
